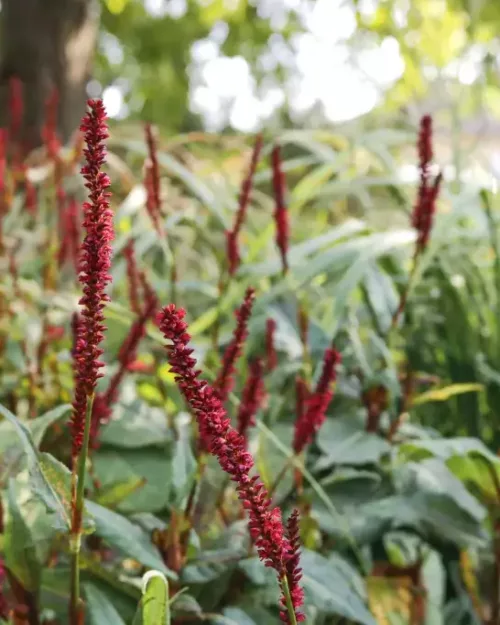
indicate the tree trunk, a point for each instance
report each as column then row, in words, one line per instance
column 48, row 45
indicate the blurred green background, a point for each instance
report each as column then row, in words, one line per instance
column 243, row 64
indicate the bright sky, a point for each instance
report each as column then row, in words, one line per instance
column 322, row 69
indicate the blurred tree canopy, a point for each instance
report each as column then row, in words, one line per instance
column 242, row 64
column 156, row 52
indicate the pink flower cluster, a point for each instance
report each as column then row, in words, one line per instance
column 276, row 549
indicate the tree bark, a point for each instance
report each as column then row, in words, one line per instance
column 49, row 46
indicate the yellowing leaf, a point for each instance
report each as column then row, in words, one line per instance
column 443, row 394
column 166, row 374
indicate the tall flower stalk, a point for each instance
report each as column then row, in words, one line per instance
column 232, row 248
column 269, row 534
column 311, row 409
column 225, row 380
column 154, row 206
column 252, row 397
column 94, row 276
column 280, row 211
column 425, row 207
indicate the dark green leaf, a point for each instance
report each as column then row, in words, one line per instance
column 100, row 608
column 19, row 550
column 130, row 539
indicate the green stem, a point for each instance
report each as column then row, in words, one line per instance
column 405, row 294
column 169, row 257
column 281, row 475
column 292, row 617
column 223, row 288
column 79, row 471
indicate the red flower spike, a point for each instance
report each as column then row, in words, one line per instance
column 76, row 322
column 132, row 276
column 301, row 397
column 225, row 380
column 281, row 212
column 303, row 323
column 425, row 206
column 293, row 570
column 313, row 416
column 272, row 356
column 152, row 181
column 224, row 442
column 127, row 355
column 95, row 264
column 252, row 397
column 150, row 296
column 232, row 251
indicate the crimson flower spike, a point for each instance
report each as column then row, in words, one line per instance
column 95, row 264
column 150, row 297
column 425, row 206
column 272, row 356
column 280, row 212
column 301, row 396
column 132, row 276
column 294, row 572
column 153, row 200
column 265, row 524
column 225, row 380
column 232, row 251
column 313, row 416
column 252, row 397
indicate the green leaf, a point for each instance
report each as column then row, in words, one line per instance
column 329, row 589
column 130, row 539
column 344, row 441
column 10, row 437
column 100, row 609
column 155, row 605
column 113, row 495
column 445, row 448
column 148, row 464
column 233, row 615
column 184, row 464
column 38, row 465
column 40, row 425
column 19, row 550
column 432, row 476
column 136, row 425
